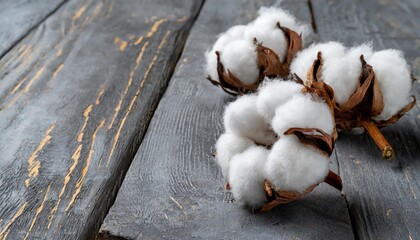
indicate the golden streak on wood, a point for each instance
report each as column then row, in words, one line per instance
column 16, row 88
column 138, row 41
column 109, row 10
column 5, row 235
column 86, row 116
column 33, row 164
column 97, row 101
column 408, row 177
column 116, row 39
column 123, row 45
column 59, row 52
column 79, row 183
column 57, row 71
column 177, row 203
column 79, row 13
column 75, row 157
column 38, row 211
column 182, row 19
column 16, row 216
column 97, row 10
column 25, row 52
column 152, row 63
column 130, row 81
column 155, row 27
column 117, row 135
column 27, row 87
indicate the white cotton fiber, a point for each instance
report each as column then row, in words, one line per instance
column 269, row 16
column 292, row 166
column 227, row 146
column 242, row 118
column 274, row 93
column 394, row 76
column 303, row 112
column 304, row 60
column 270, row 36
column 240, row 58
column 342, row 73
column 233, row 33
column 246, row 176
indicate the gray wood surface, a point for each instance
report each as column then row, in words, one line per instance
column 175, row 190
column 382, row 195
column 76, row 96
column 19, row 17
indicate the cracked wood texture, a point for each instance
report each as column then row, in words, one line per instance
column 382, row 195
column 174, row 189
column 76, row 96
column 18, row 17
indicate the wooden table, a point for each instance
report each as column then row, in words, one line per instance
column 107, row 125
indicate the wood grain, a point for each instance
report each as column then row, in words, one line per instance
column 174, row 189
column 19, row 17
column 76, row 96
column 382, row 195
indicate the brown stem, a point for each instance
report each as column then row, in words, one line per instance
column 381, row 142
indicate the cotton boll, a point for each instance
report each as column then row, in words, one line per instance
column 227, row 146
column 393, row 74
column 233, row 33
column 303, row 112
column 246, row 176
column 273, row 94
column 304, row 60
column 240, row 58
column 269, row 16
column 242, row 118
column 342, row 74
column 292, row 166
column 270, row 36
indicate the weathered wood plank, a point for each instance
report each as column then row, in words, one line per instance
column 174, row 189
column 382, row 195
column 75, row 107
column 18, row 17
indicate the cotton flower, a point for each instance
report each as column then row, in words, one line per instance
column 371, row 89
column 246, row 176
column 244, row 55
column 302, row 111
column 272, row 94
column 265, row 176
column 292, row 166
column 227, row 146
column 242, row 118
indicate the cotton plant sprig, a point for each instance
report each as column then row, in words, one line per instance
column 245, row 54
column 371, row 89
column 277, row 144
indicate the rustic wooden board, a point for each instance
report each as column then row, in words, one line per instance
column 76, row 96
column 174, row 189
column 18, row 17
column 382, row 195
